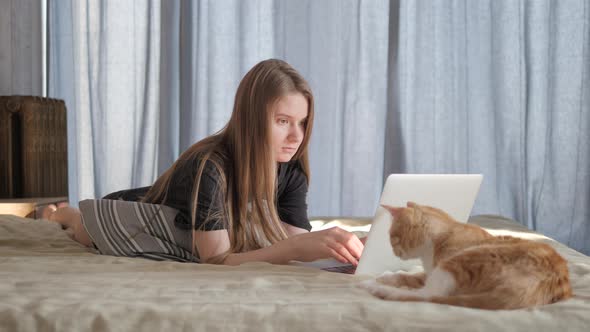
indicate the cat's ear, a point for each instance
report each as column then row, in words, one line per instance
column 395, row 211
column 411, row 204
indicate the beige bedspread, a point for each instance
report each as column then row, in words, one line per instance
column 49, row 282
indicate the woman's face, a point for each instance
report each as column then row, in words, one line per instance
column 289, row 115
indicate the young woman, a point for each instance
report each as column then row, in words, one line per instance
column 242, row 191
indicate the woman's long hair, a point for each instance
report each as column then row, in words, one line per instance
column 242, row 154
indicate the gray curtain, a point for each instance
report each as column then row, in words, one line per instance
column 21, row 48
column 143, row 80
column 496, row 87
column 500, row 88
column 104, row 62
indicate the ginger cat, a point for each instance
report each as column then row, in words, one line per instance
column 466, row 266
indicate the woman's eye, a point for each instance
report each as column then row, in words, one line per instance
column 283, row 121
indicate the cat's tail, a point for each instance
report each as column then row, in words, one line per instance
column 559, row 288
column 486, row 300
column 503, row 299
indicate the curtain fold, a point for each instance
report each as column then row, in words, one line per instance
column 499, row 88
column 144, row 80
column 104, row 60
column 495, row 87
column 21, row 54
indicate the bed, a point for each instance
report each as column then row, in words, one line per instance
column 50, row 283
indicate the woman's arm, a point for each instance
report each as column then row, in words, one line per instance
column 213, row 243
column 292, row 230
column 330, row 243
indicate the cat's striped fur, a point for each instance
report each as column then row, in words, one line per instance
column 466, row 266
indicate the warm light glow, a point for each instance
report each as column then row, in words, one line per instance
column 363, row 225
column 519, row 234
column 349, row 224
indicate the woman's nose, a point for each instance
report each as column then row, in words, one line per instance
column 296, row 133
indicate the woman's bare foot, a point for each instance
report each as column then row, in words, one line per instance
column 62, row 204
column 70, row 220
column 45, row 211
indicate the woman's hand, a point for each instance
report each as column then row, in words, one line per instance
column 329, row 243
column 333, row 242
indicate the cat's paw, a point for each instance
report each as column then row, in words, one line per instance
column 388, row 278
column 395, row 279
column 386, row 273
column 367, row 284
column 376, row 289
column 402, row 279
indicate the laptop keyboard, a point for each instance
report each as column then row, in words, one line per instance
column 348, row 269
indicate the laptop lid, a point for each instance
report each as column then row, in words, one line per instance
column 453, row 193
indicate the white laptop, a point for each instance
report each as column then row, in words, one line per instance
column 453, row 193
